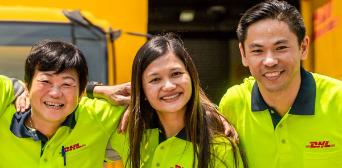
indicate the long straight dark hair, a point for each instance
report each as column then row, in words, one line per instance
column 199, row 126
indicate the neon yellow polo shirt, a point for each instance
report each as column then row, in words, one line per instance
column 83, row 135
column 309, row 135
column 175, row 152
column 7, row 92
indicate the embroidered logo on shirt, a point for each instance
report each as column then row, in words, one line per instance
column 320, row 144
column 73, row 147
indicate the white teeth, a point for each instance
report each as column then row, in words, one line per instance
column 54, row 105
column 272, row 74
column 170, row 97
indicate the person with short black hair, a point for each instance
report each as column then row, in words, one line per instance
column 61, row 129
column 285, row 116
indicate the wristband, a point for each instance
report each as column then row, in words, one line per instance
column 90, row 88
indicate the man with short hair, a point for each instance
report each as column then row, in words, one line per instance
column 61, row 129
column 284, row 115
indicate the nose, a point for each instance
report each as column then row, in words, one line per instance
column 169, row 85
column 270, row 60
column 55, row 92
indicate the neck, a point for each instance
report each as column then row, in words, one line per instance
column 45, row 127
column 172, row 123
column 282, row 100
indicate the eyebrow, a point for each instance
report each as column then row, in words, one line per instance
column 64, row 77
column 156, row 74
column 254, row 45
column 69, row 77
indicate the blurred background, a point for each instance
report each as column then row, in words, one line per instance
column 208, row 30
column 109, row 32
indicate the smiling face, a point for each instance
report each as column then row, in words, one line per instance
column 167, row 84
column 273, row 55
column 54, row 96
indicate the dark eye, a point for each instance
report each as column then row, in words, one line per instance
column 257, row 51
column 44, row 81
column 281, row 48
column 154, row 80
column 177, row 74
column 66, row 85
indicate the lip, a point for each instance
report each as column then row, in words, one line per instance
column 273, row 75
column 53, row 105
column 171, row 97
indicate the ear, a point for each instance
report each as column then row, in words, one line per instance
column 304, row 47
column 243, row 55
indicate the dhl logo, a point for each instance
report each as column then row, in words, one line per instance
column 73, row 147
column 320, row 144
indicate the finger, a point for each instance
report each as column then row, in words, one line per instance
column 124, row 121
column 227, row 128
column 22, row 104
column 128, row 88
column 27, row 103
column 236, row 137
column 18, row 104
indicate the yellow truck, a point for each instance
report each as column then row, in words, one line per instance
column 20, row 27
column 96, row 32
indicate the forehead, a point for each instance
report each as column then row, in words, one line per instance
column 66, row 74
column 165, row 62
column 269, row 31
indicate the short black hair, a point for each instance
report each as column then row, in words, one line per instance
column 272, row 9
column 58, row 56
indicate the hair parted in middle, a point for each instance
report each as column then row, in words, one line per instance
column 201, row 117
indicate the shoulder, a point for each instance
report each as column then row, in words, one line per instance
column 328, row 87
column 240, row 91
column 99, row 108
column 326, row 81
column 97, row 104
column 236, row 97
column 6, row 92
column 5, row 82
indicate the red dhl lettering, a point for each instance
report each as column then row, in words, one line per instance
column 320, row 144
column 73, row 147
column 324, row 21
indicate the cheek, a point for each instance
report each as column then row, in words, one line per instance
column 149, row 92
column 72, row 96
column 188, row 86
column 36, row 93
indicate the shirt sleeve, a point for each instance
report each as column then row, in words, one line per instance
column 107, row 115
column 18, row 86
column 6, row 93
column 230, row 105
column 120, row 143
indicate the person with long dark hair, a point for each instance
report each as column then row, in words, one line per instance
column 172, row 123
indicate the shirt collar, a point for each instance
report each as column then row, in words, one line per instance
column 155, row 123
column 19, row 129
column 304, row 103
